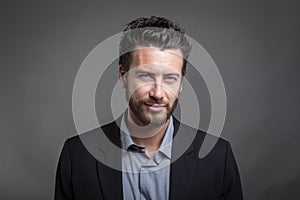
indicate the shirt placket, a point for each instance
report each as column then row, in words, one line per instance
column 145, row 176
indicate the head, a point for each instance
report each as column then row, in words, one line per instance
column 154, row 31
column 152, row 62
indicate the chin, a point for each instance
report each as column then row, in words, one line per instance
column 159, row 120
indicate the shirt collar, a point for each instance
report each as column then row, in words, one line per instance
column 165, row 146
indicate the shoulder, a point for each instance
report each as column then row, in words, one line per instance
column 202, row 141
column 107, row 129
column 100, row 137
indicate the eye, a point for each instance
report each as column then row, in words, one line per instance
column 171, row 79
column 145, row 77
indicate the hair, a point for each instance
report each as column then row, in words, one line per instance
column 152, row 31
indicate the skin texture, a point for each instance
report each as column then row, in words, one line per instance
column 152, row 86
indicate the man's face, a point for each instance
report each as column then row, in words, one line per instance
column 152, row 85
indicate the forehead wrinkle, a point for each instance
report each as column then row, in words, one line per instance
column 155, row 56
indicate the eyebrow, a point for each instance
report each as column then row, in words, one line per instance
column 172, row 74
column 143, row 72
column 153, row 74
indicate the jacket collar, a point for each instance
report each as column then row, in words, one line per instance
column 181, row 170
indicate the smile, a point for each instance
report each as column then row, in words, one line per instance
column 155, row 107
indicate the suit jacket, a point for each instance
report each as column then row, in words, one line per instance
column 80, row 174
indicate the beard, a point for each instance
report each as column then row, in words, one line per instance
column 146, row 117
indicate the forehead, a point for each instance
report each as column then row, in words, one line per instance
column 149, row 56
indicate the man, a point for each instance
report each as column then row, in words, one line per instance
column 149, row 162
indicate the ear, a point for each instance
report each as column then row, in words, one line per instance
column 122, row 79
column 181, row 83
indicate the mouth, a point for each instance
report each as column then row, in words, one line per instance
column 153, row 107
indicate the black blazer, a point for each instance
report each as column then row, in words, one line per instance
column 81, row 176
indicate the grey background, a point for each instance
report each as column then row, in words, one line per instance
column 255, row 44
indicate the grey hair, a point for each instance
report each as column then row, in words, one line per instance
column 156, row 32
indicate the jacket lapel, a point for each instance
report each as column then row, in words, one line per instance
column 110, row 179
column 183, row 166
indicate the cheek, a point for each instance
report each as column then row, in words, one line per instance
column 172, row 92
column 140, row 92
column 172, row 98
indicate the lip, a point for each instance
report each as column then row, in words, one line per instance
column 155, row 107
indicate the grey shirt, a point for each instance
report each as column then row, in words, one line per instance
column 144, row 177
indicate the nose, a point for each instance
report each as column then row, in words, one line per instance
column 157, row 91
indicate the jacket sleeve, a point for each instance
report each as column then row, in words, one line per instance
column 63, row 182
column 233, row 188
